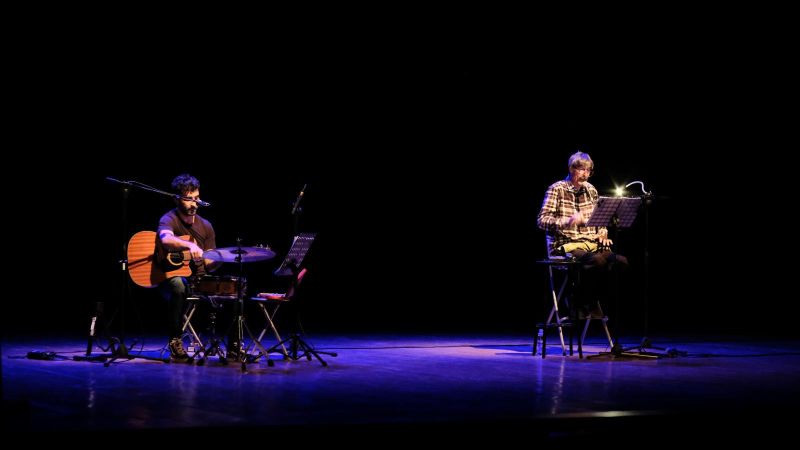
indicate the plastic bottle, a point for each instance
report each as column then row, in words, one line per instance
column 540, row 339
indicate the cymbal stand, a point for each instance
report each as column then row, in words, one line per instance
column 214, row 342
column 239, row 322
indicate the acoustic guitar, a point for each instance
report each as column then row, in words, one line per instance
column 149, row 265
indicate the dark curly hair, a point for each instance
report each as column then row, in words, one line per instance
column 185, row 183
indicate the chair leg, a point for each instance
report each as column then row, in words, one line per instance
column 604, row 321
column 187, row 323
column 570, row 339
column 608, row 334
column 585, row 329
column 605, row 325
column 544, row 342
column 274, row 330
column 556, row 293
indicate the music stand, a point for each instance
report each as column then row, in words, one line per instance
column 290, row 267
column 617, row 213
column 302, row 242
column 614, row 212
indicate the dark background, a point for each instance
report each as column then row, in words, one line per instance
column 426, row 167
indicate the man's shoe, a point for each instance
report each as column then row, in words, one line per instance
column 176, row 349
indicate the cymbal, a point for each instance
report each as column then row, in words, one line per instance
column 233, row 254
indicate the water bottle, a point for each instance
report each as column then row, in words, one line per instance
column 540, row 340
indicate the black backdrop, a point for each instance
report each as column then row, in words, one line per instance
column 425, row 172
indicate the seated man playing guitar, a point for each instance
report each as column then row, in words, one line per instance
column 183, row 231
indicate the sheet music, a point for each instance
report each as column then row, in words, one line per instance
column 296, row 254
column 624, row 208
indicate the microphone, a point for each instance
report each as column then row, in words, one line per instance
column 299, row 197
column 196, row 200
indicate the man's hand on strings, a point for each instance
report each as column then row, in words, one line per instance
column 196, row 252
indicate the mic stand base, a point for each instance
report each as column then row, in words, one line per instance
column 119, row 351
column 640, row 352
column 298, row 348
column 668, row 352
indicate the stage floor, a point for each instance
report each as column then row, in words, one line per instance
column 468, row 383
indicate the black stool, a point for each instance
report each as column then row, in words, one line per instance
column 571, row 270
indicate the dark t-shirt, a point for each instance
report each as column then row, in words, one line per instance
column 201, row 232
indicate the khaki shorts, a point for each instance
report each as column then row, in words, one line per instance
column 570, row 247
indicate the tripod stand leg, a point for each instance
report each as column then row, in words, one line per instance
column 257, row 344
column 118, row 351
column 289, row 354
column 213, row 349
column 309, row 350
column 299, row 348
column 213, row 343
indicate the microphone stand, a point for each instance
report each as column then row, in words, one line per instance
column 119, row 350
column 115, row 344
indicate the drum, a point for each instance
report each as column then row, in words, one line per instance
column 223, row 286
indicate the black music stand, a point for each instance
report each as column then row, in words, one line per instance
column 616, row 213
column 297, row 253
column 290, row 266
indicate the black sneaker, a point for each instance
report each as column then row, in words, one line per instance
column 176, row 349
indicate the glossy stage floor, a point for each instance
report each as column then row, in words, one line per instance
column 468, row 384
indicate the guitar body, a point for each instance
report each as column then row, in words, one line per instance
column 148, row 267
